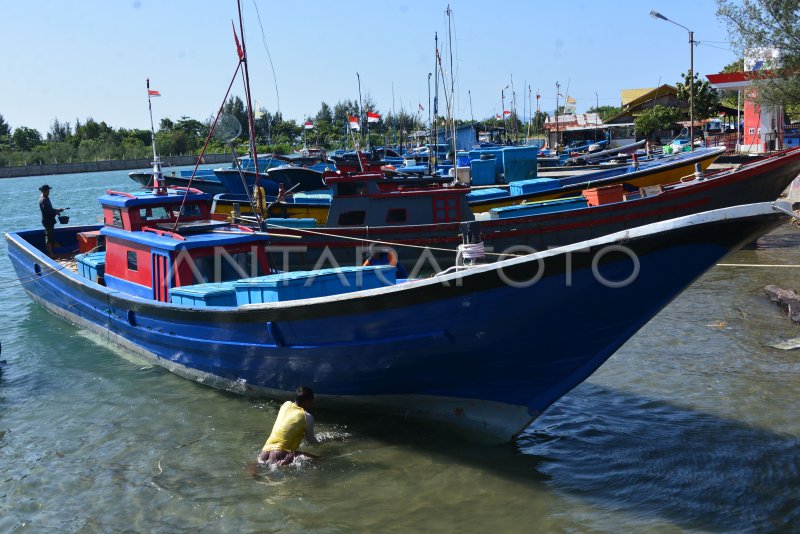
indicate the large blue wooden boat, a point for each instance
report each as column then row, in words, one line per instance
column 203, row 299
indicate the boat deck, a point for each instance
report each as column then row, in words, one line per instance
column 68, row 262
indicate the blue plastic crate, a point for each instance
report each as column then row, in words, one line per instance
column 289, row 222
column 489, row 154
column 310, row 284
column 92, row 265
column 486, row 194
column 519, row 163
column 538, row 208
column 482, row 171
column 310, row 198
column 212, row 294
column 526, row 187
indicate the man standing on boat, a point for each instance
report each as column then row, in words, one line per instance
column 48, row 217
column 292, row 425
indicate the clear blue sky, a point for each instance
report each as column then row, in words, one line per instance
column 90, row 58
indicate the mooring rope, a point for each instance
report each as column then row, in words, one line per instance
column 756, row 265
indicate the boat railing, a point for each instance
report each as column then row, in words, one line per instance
column 119, row 193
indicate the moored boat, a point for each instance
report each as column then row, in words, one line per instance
column 203, row 179
column 202, row 299
column 365, row 209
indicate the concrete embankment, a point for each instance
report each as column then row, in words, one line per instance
column 107, row 165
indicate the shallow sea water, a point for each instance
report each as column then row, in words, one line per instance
column 691, row 426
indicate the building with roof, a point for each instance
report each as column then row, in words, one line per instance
column 763, row 130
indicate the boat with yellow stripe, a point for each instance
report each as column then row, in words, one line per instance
column 656, row 171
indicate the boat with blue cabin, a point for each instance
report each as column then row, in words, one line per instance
column 203, row 299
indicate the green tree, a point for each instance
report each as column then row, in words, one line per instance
column 191, row 127
column 706, row 98
column 235, row 106
column 656, row 118
column 731, row 98
column 539, row 119
column 605, row 112
column 342, row 110
column 25, row 138
column 324, row 116
column 5, row 129
column 59, row 131
column 766, row 25
column 92, row 130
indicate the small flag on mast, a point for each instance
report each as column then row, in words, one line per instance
column 309, row 125
column 239, row 49
column 353, row 121
column 151, row 92
column 373, row 117
column 506, row 113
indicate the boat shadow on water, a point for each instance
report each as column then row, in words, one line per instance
column 609, row 449
column 697, row 470
column 614, row 451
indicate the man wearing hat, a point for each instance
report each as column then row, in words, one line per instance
column 48, row 217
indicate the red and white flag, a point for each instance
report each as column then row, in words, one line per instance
column 151, row 92
column 353, row 123
column 239, row 49
column 498, row 117
column 506, row 113
column 373, row 117
column 308, row 125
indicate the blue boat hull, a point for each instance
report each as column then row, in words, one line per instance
column 207, row 183
column 488, row 350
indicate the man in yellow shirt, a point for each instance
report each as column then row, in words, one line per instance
column 291, row 426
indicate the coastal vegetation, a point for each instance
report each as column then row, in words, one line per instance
column 764, row 27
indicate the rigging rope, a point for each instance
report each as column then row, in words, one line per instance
column 205, row 145
column 379, row 242
column 264, row 40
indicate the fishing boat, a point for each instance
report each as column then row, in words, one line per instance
column 600, row 156
column 424, row 224
column 662, row 170
column 657, row 171
column 203, row 299
column 203, row 179
column 298, row 172
column 206, row 300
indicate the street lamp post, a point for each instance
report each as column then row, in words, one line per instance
column 657, row 15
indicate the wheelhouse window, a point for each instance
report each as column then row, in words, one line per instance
column 156, row 213
column 351, row 188
column 223, row 266
column 445, row 210
column 396, row 215
column 237, row 265
column 116, row 217
column 352, row 218
column 190, row 210
column 132, row 261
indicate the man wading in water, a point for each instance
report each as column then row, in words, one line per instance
column 292, row 425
